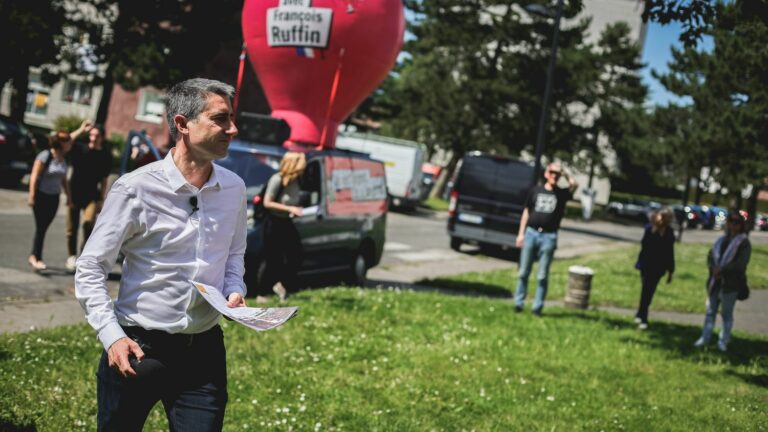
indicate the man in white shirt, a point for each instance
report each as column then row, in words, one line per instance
column 179, row 219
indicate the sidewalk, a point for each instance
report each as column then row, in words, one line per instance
column 750, row 315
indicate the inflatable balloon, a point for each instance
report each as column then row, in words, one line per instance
column 317, row 60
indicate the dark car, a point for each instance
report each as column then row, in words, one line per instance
column 633, row 209
column 344, row 229
column 17, row 151
column 487, row 200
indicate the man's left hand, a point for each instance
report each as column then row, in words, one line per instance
column 235, row 300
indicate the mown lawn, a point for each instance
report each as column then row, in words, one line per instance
column 390, row 360
column 616, row 282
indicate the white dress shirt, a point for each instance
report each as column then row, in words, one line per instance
column 148, row 217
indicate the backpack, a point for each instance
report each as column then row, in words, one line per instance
column 259, row 211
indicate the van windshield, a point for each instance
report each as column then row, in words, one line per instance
column 255, row 169
column 495, row 179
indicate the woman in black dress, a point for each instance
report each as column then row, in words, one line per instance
column 657, row 257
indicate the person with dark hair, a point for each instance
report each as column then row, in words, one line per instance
column 178, row 219
column 91, row 165
column 284, row 251
column 537, row 236
column 727, row 262
column 657, row 257
column 48, row 177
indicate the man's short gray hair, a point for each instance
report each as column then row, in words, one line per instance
column 189, row 99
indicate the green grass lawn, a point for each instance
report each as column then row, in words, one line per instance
column 390, row 360
column 616, row 282
column 436, row 204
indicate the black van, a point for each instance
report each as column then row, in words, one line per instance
column 487, row 200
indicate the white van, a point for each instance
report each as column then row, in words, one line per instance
column 402, row 161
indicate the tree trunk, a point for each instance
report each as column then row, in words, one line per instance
column 687, row 189
column 445, row 174
column 19, row 88
column 697, row 196
column 106, row 96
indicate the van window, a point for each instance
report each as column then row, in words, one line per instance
column 254, row 169
column 494, row 178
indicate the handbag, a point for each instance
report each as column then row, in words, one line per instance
column 743, row 292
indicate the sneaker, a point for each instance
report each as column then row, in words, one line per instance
column 722, row 346
column 518, row 309
column 262, row 299
column 37, row 265
column 280, row 290
column 642, row 326
column 700, row 342
column 71, row 263
column 638, row 320
column 537, row 312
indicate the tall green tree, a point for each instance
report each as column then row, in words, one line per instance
column 28, row 39
column 151, row 42
column 729, row 90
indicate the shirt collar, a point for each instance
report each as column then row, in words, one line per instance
column 177, row 180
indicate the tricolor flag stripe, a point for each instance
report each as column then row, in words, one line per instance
column 305, row 52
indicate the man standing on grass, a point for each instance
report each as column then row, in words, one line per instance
column 537, row 237
column 177, row 219
column 88, row 185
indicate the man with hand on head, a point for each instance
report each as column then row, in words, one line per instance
column 544, row 209
column 174, row 220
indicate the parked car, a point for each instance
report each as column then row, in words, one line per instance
column 17, row 151
column 761, row 222
column 633, row 209
column 344, row 232
column 487, row 200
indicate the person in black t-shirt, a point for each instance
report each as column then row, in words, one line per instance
column 91, row 165
column 537, row 237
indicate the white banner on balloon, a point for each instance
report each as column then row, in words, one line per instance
column 298, row 26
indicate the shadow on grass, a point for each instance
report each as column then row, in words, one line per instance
column 10, row 426
column 471, row 288
column 677, row 340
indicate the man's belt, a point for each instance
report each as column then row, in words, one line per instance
column 543, row 230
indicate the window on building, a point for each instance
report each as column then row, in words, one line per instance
column 37, row 95
column 151, row 106
column 77, row 92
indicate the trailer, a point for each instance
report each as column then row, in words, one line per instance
column 402, row 160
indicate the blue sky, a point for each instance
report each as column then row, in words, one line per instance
column 657, row 53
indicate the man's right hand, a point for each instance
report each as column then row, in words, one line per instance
column 520, row 240
column 119, row 352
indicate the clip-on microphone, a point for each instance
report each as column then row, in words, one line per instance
column 193, row 203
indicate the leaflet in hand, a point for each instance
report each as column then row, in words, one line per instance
column 260, row 319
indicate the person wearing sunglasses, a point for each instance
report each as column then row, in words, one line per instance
column 727, row 261
column 537, row 235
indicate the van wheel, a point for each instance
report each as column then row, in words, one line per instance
column 456, row 243
column 358, row 272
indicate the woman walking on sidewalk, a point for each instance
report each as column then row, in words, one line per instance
column 727, row 261
column 49, row 175
column 657, row 256
column 284, row 250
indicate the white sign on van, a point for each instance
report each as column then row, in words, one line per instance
column 298, row 25
column 364, row 186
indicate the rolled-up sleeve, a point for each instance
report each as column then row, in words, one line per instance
column 116, row 222
column 235, row 268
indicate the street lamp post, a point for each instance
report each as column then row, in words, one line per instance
column 541, row 134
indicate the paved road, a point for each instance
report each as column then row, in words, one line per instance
column 417, row 247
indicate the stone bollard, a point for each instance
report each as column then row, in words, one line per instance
column 579, row 285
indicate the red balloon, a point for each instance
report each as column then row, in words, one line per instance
column 317, row 63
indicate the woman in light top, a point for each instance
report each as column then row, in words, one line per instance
column 48, row 177
column 727, row 262
column 284, row 251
